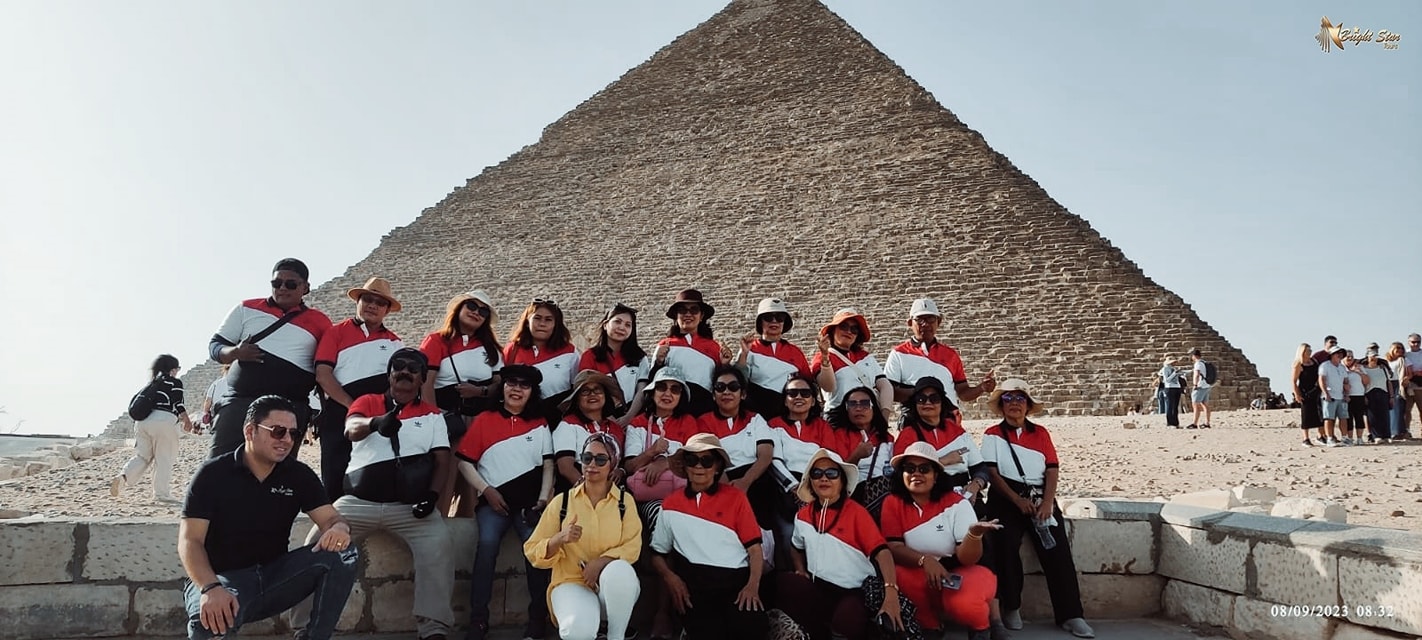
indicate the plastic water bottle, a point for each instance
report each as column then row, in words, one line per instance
column 1044, row 533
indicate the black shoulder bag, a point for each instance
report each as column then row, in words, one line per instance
column 413, row 474
column 1028, row 491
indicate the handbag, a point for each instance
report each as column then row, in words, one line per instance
column 658, row 490
column 872, row 491
column 873, row 589
column 468, row 406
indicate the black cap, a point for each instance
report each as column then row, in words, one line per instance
column 292, row 264
column 527, row 373
column 932, row 382
column 407, row 354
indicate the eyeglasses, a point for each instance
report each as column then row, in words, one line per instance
column 665, row 386
column 412, row 366
column 928, row 399
column 291, row 285
column 921, row 469
column 1013, row 396
column 850, row 327
column 597, row 460
column 375, row 300
column 686, row 309
column 280, row 432
column 516, row 383
column 707, row 461
column 590, row 391
column 859, row 404
column 722, row 387
column 479, row 310
column 828, row 474
column 799, row 393
column 1413, row 342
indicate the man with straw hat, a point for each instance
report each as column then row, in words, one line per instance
column 351, row 362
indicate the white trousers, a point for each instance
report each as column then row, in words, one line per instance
column 579, row 609
column 155, row 445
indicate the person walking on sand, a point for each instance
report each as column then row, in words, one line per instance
column 156, row 437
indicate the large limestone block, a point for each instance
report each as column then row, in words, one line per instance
column 393, row 606
column 138, row 551
column 1295, row 575
column 511, row 561
column 1105, row 595
column 63, row 611
column 36, row 552
column 161, row 612
column 1382, row 593
column 464, row 538
column 516, row 599
column 1268, row 621
column 1218, row 499
column 1203, row 558
column 386, row 556
column 1309, row 509
column 33, row 467
column 1246, row 495
column 1108, row 546
column 1198, row 605
column 59, row 462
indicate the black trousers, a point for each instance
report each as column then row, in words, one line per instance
column 227, row 425
column 1057, row 563
column 713, row 614
column 1378, row 414
column 335, row 447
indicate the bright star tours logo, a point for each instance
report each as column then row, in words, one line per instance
column 1330, row 35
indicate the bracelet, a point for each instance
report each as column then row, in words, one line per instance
column 890, row 585
column 920, row 559
column 975, row 536
column 209, row 587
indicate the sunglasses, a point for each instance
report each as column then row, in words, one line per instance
column 1014, row 397
column 799, row 393
column 926, row 320
column 597, row 460
column 775, row 317
column 545, row 302
column 928, row 399
column 290, row 285
column 479, row 310
column 590, row 391
column 921, row 469
column 849, row 327
column 412, row 366
column 686, row 310
column 859, row 404
column 375, row 300
column 280, row 432
column 516, row 383
column 707, row 461
column 667, row 386
column 722, row 387
column 828, row 474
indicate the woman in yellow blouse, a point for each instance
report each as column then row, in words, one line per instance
column 590, row 536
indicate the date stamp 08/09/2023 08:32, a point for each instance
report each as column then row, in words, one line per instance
column 1330, row 611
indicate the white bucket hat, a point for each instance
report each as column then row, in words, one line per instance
column 849, row 472
column 774, row 305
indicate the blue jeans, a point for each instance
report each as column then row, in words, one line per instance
column 492, row 528
column 1172, row 406
column 1396, row 418
column 266, row 590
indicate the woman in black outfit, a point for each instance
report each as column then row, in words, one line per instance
column 1307, row 393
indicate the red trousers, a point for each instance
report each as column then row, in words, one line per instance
column 967, row 605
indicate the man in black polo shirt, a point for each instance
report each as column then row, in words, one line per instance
column 236, row 522
column 271, row 344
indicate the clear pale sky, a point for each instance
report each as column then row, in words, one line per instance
column 157, row 157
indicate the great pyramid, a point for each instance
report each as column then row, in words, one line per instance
column 773, row 151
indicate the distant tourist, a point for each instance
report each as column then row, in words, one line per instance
column 271, row 344
column 1307, row 395
column 691, row 346
column 1200, row 395
column 235, row 529
column 1173, row 386
column 156, row 437
column 924, row 355
column 1331, row 377
column 1322, row 355
column 1378, row 396
column 211, row 400
column 351, row 361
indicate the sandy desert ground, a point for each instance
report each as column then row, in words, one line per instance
column 1100, row 457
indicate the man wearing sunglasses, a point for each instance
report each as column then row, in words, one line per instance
column 399, row 457
column 271, row 344
column 923, row 355
column 236, row 526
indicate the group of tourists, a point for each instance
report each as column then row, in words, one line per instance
column 736, row 491
column 1351, row 401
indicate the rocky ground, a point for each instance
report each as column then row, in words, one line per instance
column 1125, row 457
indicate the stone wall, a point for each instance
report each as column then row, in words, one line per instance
column 773, row 151
column 1256, row 577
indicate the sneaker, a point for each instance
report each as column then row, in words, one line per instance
column 1307, row 442
column 1331, row 442
column 1078, row 628
column 999, row 631
column 1347, row 442
column 1012, row 619
column 116, row 486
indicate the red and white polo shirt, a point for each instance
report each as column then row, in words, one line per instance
column 1034, row 450
column 509, row 451
column 696, row 356
column 739, row 435
column 934, row 529
column 712, row 528
column 839, row 542
column 771, row 364
column 289, row 367
column 644, row 430
column 358, row 355
column 851, row 370
column 628, row 376
column 372, row 471
column 467, row 355
column 947, row 438
column 911, row 360
column 573, row 431
column 796, row 441
column 558, row 366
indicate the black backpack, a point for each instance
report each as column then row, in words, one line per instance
column 142, row 404
column 621, row 506
column 1211, row 374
